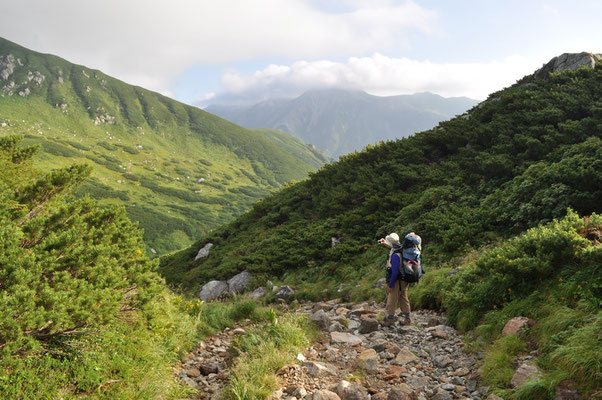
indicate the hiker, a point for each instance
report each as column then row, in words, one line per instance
column 397, row 289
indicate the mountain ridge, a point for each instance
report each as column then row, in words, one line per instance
column 340, row 121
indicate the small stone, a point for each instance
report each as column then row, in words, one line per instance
column 321, row 319
column 193, row 372
column 319, row 369
column 325, row 395
column 351, row 391
column 395, row 370
column 442, row 361
column 300, row 393
column 401, row 392
column 440, row 334
column 343, row 337
column 208, row 369
column 462, row 372
column 404, row 356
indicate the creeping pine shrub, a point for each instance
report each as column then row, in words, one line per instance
column 65, row 267
column 517, row 268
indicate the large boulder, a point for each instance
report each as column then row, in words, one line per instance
column 567, row 61
column 284, row 292
column 239, row 282
column 212, row 290
column 524, row 373
column 203, row 252
column 516, row 326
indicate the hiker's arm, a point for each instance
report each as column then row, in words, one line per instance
column 394, row 270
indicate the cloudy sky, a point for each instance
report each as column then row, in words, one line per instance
column 198, row 51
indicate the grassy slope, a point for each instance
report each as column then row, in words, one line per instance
column 148, row 151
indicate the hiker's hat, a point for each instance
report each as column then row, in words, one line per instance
column 392, row 239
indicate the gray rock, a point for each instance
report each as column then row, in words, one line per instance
column 351, row 391
column 334, row 242
column 404, row 356
column 284, row 292
column 523, row 374
column 325, row 395
column 494, row 397
column 442, row 361
column 336, row 326
column 379, row 283
column 212, row 290
column 567, row 61
column 257, row 293
column 353, row 324
column 239, row 282
column 319, row 369
column 203, row 252
column 368, row 325
column 442, row 395
column 343, row 337
column 300, row 393
column 418, row 382
column 321, row 319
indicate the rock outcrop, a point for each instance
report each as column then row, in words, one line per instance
column 237, row 284
column 567, row 61
column 213, row 290
column 203, row 252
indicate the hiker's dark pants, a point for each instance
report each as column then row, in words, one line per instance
column 398, row 298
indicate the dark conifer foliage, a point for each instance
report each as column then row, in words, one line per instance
column 66, row 266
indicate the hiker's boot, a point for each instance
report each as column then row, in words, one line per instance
column 389, row 320
column 406, row 320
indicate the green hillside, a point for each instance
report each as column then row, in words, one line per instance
column 178, row 170
column 518, row 159
column 507, row 200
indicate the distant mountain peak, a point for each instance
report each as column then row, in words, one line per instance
column 567, row 61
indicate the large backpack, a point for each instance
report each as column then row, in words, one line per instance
column 410, row 269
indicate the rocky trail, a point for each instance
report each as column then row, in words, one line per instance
column 356, row 358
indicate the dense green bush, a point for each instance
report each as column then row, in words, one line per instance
column 65, row 267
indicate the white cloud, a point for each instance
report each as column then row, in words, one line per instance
column 378, row 75
column 149, row 42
